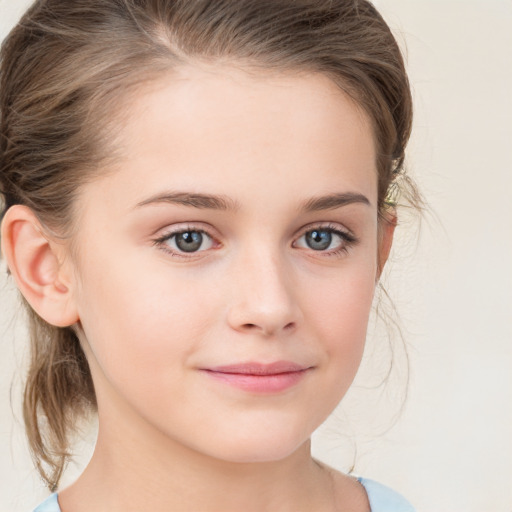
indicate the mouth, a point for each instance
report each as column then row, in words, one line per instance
column 258, row 377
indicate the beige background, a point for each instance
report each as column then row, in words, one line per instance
column 451, row 449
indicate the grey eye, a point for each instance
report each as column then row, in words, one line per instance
column 324, row 239
column 188, row 241
column 318, row 239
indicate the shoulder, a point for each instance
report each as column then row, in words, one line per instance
column 49, row 505
column 381, row 498
column 384, row 499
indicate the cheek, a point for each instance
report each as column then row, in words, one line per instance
column 336, row 317
column 138, row 323
column 340, row 316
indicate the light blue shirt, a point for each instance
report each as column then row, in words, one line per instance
column 381, row 498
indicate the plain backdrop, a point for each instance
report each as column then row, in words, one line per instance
column 450, row 449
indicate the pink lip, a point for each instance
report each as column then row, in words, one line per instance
column 258, row 377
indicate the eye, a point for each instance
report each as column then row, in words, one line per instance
column 318, row 240
column 187, row 241
column 325, row 239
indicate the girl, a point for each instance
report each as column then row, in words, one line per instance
column 196, row 212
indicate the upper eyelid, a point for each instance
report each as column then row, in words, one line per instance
column 168, row 232
column 166, row 235
column 328, row 226
column 160, row 242
column 344, row 235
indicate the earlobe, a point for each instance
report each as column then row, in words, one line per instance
column 34, row 261
column 386, row 231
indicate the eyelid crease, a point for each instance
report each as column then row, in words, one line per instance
column 160, row 242
column 329, row 226
column 182, row 227
column 349, row 239
column 177, row 231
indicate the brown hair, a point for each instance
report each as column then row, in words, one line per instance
column 66, row 67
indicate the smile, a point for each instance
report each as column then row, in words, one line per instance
column 260, row 378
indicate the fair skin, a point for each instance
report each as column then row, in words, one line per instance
column 239, row 226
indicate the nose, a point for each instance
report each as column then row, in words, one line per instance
column 264, row 297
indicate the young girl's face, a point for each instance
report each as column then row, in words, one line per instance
column 226, row 267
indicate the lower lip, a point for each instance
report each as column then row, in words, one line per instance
column 274, row 383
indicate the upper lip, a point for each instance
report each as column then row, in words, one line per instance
column 255, row 368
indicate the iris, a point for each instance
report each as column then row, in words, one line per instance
column 189, row 241
column 318, row 240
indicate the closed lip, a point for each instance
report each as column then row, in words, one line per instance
column 259, row 369
column 259, row 378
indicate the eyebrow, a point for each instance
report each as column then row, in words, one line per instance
column 333, row 201
column 220, row 202
column 202, row 201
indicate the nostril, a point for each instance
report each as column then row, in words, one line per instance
column 268, row 330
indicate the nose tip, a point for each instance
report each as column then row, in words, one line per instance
column 261, row 319
column 264, row 302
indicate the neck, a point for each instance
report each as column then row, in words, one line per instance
column 133, row 468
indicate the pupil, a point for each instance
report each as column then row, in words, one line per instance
column 319, row 240
column 189, row 241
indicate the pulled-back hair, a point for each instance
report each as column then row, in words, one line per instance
column 66, row 70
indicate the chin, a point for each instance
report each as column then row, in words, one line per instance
column 257, row 445
column 256, row 454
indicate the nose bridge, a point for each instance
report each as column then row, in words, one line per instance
column 263, row 295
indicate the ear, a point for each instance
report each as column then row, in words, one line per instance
column 35, row 262
column 387, row 225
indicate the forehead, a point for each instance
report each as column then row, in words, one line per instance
column 228, row 131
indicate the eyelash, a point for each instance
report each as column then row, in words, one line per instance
column 160, row 242
column 349, row 240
